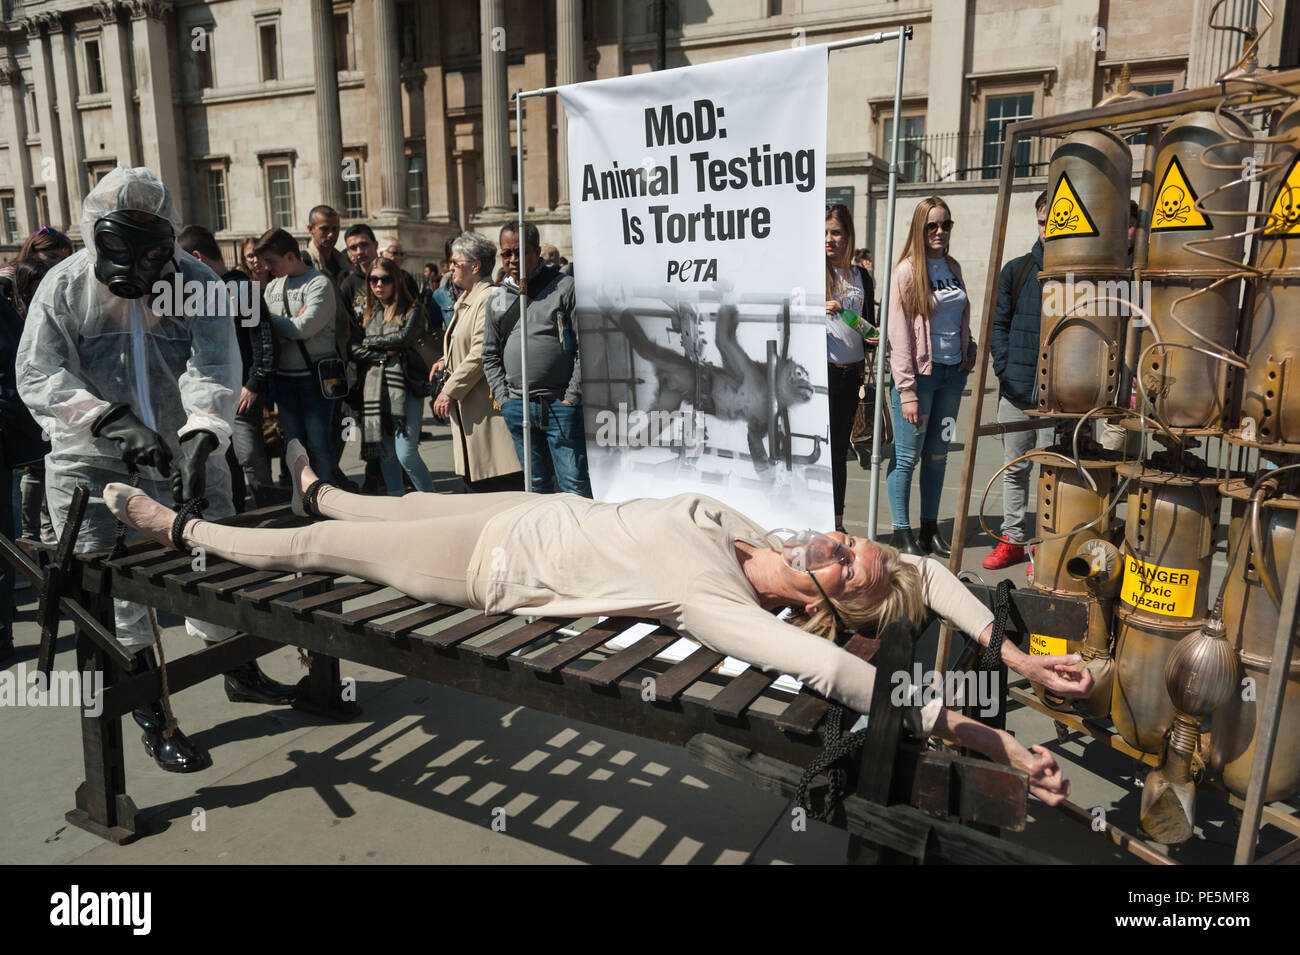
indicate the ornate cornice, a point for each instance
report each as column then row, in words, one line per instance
column 148, row 9
column 109, row 11
column 10, row 75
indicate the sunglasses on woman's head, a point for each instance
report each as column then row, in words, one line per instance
column 946, row 225
column 46, row 230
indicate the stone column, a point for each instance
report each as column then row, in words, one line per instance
column 1077, row 73
column 437, row 146
column 1214, row 51
column 496, row 122
column 329, row 127
column 116, row 51
column 50, row 175
column 15, row 130
column 63, row 60
column 388, row 86
column 946, row 82
column 568, row 69
column 158, row 140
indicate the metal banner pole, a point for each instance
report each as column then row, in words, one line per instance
column 523, row 293
column 873, row 493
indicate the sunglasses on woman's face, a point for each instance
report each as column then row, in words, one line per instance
column 932, row 227
column 380, row 280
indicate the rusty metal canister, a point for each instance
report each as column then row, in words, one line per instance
column 1270, row 387
column 1089, row 183
column 1080, row 340
column 1182, row 180
column 1168, row 548
column 1191, row 389
column 1065, row 501
column 1085, row 273
column 1251, row 619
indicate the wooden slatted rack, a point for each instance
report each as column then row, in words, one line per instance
column 905, row 807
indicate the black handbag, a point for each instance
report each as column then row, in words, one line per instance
column 420, row 356
column 331, row 374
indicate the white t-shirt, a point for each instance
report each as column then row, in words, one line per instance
column 844, row 344
column 949, row 304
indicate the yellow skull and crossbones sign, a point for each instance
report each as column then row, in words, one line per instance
column 1063, row 217
column 1171, row 207
column 1288, row 204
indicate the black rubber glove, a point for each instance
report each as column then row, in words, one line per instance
column 190, row 479
column 140, row 446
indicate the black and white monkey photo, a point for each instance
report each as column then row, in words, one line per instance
column 738, row 389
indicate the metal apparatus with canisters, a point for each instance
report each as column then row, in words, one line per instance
column 1182, row 338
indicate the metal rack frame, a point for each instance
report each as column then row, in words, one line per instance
column 1148, row 113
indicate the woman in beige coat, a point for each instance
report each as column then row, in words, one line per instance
column 484, row 451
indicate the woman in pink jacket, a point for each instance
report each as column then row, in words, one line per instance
column 930, row 355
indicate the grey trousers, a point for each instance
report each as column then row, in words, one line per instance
column 1015, row 479
column 250, row 451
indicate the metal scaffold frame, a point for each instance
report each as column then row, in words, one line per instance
column 1148, row 114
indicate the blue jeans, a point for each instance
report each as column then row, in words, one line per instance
column 939, row 395
column 559, row 445
column 402, row 452
column 305, row 415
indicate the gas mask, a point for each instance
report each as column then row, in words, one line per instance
column 807, row 551
column 131, row 253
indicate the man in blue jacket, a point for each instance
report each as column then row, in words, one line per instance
column 1015, row 361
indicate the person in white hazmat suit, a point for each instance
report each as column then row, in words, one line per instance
column 123, row 390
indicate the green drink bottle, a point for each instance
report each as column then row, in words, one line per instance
column 859, row 324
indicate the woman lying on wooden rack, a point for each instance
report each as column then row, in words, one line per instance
column 690, row 562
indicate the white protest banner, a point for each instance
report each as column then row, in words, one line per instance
column 698, row 209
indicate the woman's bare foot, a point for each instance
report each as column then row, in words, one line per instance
column 135, row 508
column 301, row 474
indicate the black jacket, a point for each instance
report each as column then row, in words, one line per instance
column 22, row 442
column 1015, row 327
column 256, row 341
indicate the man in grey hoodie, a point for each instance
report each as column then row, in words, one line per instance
column 559, row 442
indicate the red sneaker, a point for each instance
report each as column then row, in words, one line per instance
column 1004, row 555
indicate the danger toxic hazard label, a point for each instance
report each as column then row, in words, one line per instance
column 1163, row 590
column 1045, row 646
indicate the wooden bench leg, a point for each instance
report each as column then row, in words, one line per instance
column 323, row 693
column 103, row 807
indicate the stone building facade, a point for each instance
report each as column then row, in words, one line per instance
column 398, row 112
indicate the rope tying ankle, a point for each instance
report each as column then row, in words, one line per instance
column 310, row 495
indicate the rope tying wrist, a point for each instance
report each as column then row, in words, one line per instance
column 837, row 746
column 192, row 508
column 991, row 658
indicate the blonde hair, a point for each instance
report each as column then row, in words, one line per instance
column 917, row 298
column 904, row 598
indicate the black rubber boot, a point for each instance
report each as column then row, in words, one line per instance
column 904, row 542
column 176, row 753
column 248, row 684
column 931, row 541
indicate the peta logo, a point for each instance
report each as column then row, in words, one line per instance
column 102, row 908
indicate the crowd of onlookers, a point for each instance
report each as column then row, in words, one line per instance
column 347, row 345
